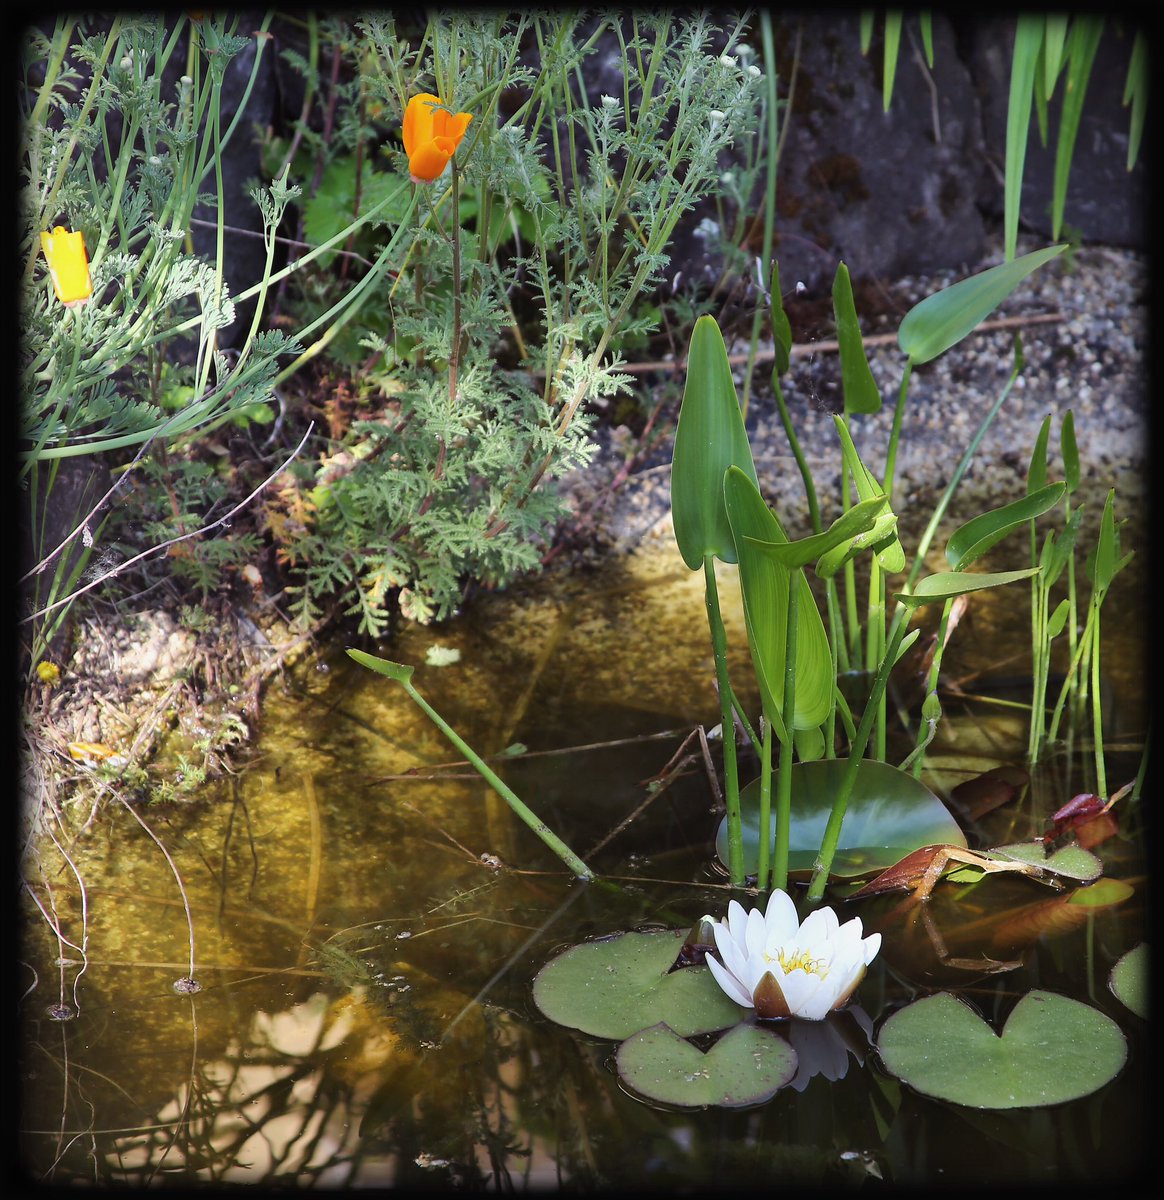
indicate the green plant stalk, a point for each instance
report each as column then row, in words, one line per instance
column 927, row 728
column 1097, row 712
column 764, row 846
column 956, row 479
column 771, row 145
column 1035, row 730
column 547, row 835
column 1078, row 669
column 784, row 779
column 731, row 776
column 832, row 833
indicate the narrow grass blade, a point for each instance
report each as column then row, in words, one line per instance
column 1028, row 40
column 1081, row 47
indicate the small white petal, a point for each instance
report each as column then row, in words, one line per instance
column 728, row 982
column 780, row 917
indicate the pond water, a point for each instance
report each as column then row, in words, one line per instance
column 368, row 917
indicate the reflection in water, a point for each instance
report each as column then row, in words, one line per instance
column 367, row 924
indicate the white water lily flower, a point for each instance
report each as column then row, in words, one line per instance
column 781, row 968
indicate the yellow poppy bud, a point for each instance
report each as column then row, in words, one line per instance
column 68, row 265
column 431, row 136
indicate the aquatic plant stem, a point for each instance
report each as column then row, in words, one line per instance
column 535, row 823
column 832, row 834
column 1097, row 712
column 764, row 851
column 403, row 676
column 731, row 776
column 784, row 780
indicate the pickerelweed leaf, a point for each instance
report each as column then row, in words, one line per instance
column 1037, row 470
column 616, row 986
column 748, row 1065
column 764, row 583
column 1129, row 980
column 1051, row 1049
column 857, row 383
column 849, row 525
column 382, row 666
column 942, row 585
column 889, row 551
column 971, row 540
column 781, row 328
column 942, row 320
column 709, row 438
column 890, row 814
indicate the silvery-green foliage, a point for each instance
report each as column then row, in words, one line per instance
column 441, row 490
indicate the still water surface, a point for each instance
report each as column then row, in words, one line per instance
column 368, row 918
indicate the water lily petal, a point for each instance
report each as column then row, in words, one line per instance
column 780, row 917
column 728, row 982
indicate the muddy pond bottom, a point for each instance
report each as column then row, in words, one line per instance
column 321, row 975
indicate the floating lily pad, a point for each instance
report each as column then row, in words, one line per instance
column 1072, row 861
column 617, row 986
column 748, row 1065
column 1051, row 1049
column 890, row 814
column 1129, row 980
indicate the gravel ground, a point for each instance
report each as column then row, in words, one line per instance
column 1089, row 358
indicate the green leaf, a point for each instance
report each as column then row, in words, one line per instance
column 781, row 329
column 710, row 437
column 865, row 27
column 764, row 584
column 616, row 986
column 1129, row 980
column 892, row 40
column 889, row 551
column 943, row 585
column 942, row 320
column 1037, row 471
column 1071, row 861
column 748, row 1065
column 880, row 535
column 1051, row 1049
column 925, row 22
column 1028, row 42
column 857, row 383
column 1104, row 564
column 382, row 666
column 1136, row 92
column 971, row 540
column 1054, row 37
column 1082, row 44
column 1070, row 451
column 1058, row 619
column 859, row 519
column 890, row 814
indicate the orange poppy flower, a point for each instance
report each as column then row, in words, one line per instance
column 431, row 136
column 68, row 265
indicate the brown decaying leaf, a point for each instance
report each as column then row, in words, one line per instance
column 920, row 870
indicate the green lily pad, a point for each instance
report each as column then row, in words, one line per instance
column 617, row 986
column 1051, row 1049
column 1129, row 980
column 748, row 1065
column 1072, row 861
column 890, row 814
